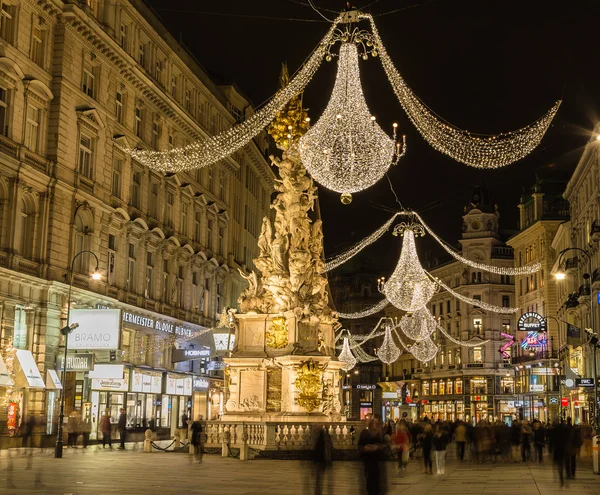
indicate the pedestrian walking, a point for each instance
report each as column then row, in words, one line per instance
column 401, row 445
column 526, row 434
column 426, row 445
column 539, row 439
column 86, row 429
column 322, row 456
column 372, row 448
column 560, row 440
column 122, row 427
column 196, row 433
column 184, row 425
column 105, row 429
column 440, row 443
column 460, row 437
column 575, row 443
column 72, row 429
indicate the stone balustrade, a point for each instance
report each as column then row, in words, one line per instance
column 282, row 435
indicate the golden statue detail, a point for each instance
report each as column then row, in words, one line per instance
column 309, row 384
column 277, row 333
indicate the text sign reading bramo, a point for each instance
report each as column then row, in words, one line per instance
column 98, row 329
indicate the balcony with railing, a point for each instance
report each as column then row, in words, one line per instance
column 572, row 301
column 537, row 355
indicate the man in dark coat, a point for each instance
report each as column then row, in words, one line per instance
column 122, row 427
column 561, row 435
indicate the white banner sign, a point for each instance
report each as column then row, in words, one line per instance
column 107, row 371
column 98, row 329
column 179, row 385
column 146, row 381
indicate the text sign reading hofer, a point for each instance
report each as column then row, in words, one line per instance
column 98, row 329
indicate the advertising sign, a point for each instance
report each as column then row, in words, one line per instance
column 5, row 379
column 29, row 370
column 76, row 362
column 531, row 322
column 201, row 384
column 534, row 340
column 564, row 402
column 98, row 329
column 12, row 413
column 146, row 381
column 190, row 354
column 179, row 385
column 112, row 384
column 584, row 382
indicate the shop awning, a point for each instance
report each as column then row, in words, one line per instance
column 27, row 373
column 5, row 380
column 52, row 380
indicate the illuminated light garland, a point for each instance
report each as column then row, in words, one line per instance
column 409, row 288
column 341, row 258
column 475, row 302
column 419, row 325
column 346, row 150
column 498, row 270
column 346, row 356
column 389, row 351
column 212, row 149
column 366, row 312
column 482, row 151
column 9, row 360
column 361, row 355
column 460, row 342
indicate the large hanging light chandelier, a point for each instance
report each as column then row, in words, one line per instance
column 389, row 351
column 424, row 350
column 346, row 356
column 418, row 326
column 409, row 288
column 346, row 150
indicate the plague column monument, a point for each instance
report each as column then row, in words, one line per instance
column 283, row 364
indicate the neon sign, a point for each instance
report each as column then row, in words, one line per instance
column 534, row 339
column 511, row 341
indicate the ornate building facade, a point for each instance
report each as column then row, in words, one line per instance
column 541, row 214
column 78, row 82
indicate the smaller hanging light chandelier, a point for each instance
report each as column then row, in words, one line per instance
column 389, row 351
column 346, row 356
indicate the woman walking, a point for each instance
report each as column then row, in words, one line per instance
column 426, row 444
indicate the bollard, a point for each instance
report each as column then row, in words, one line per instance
column 148, row 441
column 225, row 443
column 596, row 454
column 244, row 446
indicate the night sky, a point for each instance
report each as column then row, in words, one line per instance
column 486, row 66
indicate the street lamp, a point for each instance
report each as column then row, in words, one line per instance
column 66, row 330
column 560, row 275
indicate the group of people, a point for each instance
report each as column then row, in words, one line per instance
column 78, row 427
column 106, row 428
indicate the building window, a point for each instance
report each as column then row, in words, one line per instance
column 188, row 100
column 434, row 388
column 158, row 71
column 210, row 180
column 219, row 294
column 197, row 225
column 433, row 309
column 154, row 200
column 209, row 234
column 119, row 107
column 169, row 210
column 448, row 307
column 4, row 95
column 221, row 241
column 505, row 301
column 506, row 326
column 131, row 269
column 150, row 275
column 155, row 134
column 477, row 355
column 425, row 388
column 184, row 219
column 20, row 329
column 174, row 86
column 206, row 297
column 136, row 189
column 89, row 82
column 7, row 21
column 477, row 325
column 27, row 229
column 458, row 386
column 116, row 177
column 37, row 45
column 138, row 121
column 449, row 387
column 123, row 36
column 478, row 386
column 180, row 279
column 221, row 185
column 142, row 54
column 32, row 131
column 112, row 247
column 86, row 155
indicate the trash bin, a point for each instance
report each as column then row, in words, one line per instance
column 596, row 453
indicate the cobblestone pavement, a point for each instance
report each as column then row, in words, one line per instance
column 98, row 471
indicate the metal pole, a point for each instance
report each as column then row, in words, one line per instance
column 58, row 448
column 595, row 417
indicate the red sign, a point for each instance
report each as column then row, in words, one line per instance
column 564, row 402
column 407, row 400
column 11, row 423
column 424, row 401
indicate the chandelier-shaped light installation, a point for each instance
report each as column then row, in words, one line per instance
column 418, row 325
column 389, row 351
column 424, row 350
column 476, row 150
column 346, row 150
column 409, row 288
column 346, row 356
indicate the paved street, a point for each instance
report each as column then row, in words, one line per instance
column 97, row 471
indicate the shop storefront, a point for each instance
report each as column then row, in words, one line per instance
column 178, row 390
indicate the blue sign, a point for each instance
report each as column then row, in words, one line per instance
column 598, row 297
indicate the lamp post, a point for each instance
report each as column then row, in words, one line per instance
column 66, row 330
column 560, row 275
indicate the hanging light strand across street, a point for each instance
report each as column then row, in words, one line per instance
column 481, row 151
